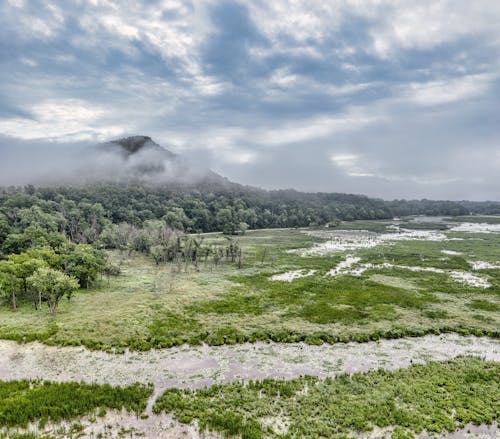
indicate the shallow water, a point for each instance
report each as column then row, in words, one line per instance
column 195, row 367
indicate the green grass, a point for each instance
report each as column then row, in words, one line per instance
column 22, row 402
column 484, row 305
column 490, row 219
column 438, row 397
column 161, row 306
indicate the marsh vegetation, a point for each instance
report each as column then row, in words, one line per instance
column 393, row 289
column 133, row 289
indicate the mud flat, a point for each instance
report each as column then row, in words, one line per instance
column 195, row 367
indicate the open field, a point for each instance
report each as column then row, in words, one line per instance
column 370, row 280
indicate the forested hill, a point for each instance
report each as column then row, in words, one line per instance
column 144, row 187
column 82, row 212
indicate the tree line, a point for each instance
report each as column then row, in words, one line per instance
column 52, row 239
column 206, row 207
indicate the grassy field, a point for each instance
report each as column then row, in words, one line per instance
column 435, row 398
column 160, row 306
column 24, row 402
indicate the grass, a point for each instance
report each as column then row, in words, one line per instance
column 436, row 398
column 490, row 219
column 161, row 306
column 24, row 402
column 484, row 305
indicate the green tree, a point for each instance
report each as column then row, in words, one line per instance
column 4, row 227
column 10, row 286
column 85, row 262
column 176, row 218
column 226, row 221
column 52, row 285
column 23, row 266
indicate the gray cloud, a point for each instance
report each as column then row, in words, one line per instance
column 375, row 97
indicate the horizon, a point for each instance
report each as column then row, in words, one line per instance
column 380, row 99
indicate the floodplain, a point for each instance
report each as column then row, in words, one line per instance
column 273, row 336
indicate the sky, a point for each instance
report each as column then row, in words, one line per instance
column 393, row 99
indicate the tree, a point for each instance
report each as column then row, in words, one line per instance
column 4, row 227
column 158, row 253
column 84, row 262
column 52, row 285
column 226, row 221
column 9, row 287
column 23, row 266
column 176, row 218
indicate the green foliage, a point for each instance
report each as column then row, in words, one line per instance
column 10, row 285
column 14, row 274
column 22, row 402
column 84, row 262
column 205, row 207
column 209, row 288
column 436, row 398
column 52, row 286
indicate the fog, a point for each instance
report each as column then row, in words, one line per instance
column 52, row 163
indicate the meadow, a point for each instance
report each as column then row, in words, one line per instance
column 405, row 288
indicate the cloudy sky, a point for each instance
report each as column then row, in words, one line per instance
column 386, row 98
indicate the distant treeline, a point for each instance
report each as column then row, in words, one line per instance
column 82, row 212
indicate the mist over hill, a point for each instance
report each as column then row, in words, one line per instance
column 135, row 179
column 132, row 159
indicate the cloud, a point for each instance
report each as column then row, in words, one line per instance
column 388, row 98
column 31, row 20
column 318, row 127
column 427, row 24
column 352, row 164
column 65, row 120
column 448, row 91
column 41, row 162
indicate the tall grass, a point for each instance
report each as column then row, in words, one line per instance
column 436, row 398
column 22, row 402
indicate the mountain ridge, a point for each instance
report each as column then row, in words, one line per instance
column 134, row 144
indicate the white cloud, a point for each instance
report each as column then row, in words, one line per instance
column 392, row 24
column 30, row 62
column 428, row 23
column 318, row 127
column 37, row 21
column 447, row 91
column 303, row 21
column 175, row 29
column 353, row 165
column 62, row 120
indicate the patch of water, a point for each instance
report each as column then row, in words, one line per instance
column 482, row 265
column 348, row 240
column 451, row 252
column 195, row 367
column 352, row 267
column 290, row 276
column 469, row 279
column 476, row 228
